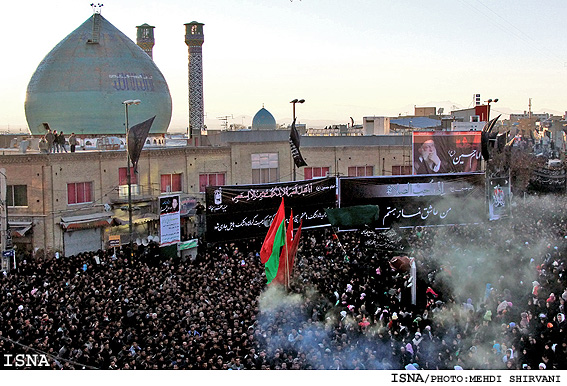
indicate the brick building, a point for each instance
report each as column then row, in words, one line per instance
column 71, row 202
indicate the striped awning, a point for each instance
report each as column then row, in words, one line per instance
column 95, row 220
column 19, row 228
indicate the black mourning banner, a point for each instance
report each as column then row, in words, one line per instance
column 419, row 200
column 241, row 211
column 294, row 147
column 383, row 240
column 137, row 135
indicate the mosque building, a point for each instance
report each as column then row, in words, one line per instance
column 81, row 83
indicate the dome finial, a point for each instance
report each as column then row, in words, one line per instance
column 97, row 8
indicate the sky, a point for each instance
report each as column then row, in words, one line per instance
column 347, row 59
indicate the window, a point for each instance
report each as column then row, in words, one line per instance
column 360, row 171
column 401, row 170
column 17, row 195
column 123, row 177
column 265, row 168
column 170, row 183
column 79, row 192
column 314, row 172
column 210, row 179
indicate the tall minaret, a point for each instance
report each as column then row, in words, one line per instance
column 145, row 38
column 194, row 39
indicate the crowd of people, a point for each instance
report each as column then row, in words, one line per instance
column 487, row 296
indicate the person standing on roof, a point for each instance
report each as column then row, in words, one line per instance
column 50, row 138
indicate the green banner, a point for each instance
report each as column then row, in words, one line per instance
column 353, row 216
column 188, row 244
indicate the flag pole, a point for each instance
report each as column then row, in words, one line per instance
column 413, row 272
column 287, row 257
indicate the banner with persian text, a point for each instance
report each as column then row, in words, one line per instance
column 241, row 211
column 169, row 220
column 418, row 200
column 446, row 152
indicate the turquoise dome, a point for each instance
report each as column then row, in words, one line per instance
column 80, row 85
column 264, row 120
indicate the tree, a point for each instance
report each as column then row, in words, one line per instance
column 520, row 164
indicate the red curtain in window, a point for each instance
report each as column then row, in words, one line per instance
column 123, row 178
column 165, row 183
column 212, row 179
column 88, row 192
column 203, row 179
column 401, row 170
column 176, row 183
column 307, row 173
column 209, row 179
column 71, row 194
column 80, row 192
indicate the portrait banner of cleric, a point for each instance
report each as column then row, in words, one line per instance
column 428, row 160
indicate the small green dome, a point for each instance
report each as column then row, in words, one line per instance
column 264, row 120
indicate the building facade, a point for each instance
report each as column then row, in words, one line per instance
column 73, row 202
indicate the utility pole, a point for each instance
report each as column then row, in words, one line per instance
column 3, row 187
column 127, row 103
column 7, row 250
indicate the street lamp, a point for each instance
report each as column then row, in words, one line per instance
column 293, row 102
column 128, row 174
column 488, row 102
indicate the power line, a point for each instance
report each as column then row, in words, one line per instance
column 512, row 29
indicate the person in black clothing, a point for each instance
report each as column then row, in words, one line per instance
column 61, row 141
